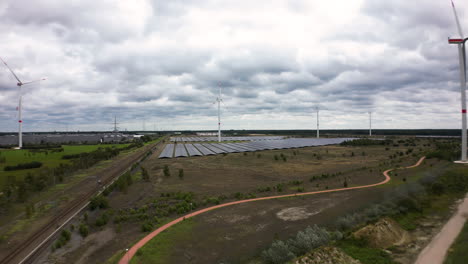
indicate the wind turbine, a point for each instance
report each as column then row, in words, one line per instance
column 370, row 124
column 461, row 54
column 20, row 121
column 318, row 130
column 219, row 100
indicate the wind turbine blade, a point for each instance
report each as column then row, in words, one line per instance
column 457, row 21
column 43, row 79
column 11, row 70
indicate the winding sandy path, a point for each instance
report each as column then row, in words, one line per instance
column 130, row 253
column 437, row 249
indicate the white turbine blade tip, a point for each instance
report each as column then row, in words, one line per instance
column 457, row 21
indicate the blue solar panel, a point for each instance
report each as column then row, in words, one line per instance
column 167, row 152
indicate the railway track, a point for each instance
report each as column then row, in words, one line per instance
column 35, row 244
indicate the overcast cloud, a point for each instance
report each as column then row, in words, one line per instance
column 159, row 64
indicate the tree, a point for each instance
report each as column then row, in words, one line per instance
column 84, row 230
column 166, row 171
column 145, row 174
column 181, row 174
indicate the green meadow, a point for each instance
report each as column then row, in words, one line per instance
column 49, row 159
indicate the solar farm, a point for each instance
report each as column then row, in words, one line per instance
column 205, row 149
column 205, row 139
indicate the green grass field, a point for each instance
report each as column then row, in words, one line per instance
column 457, row 252
column 158, row 249
column 50, row 159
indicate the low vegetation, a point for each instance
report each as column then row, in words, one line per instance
column 24, row 166
column 459, row 249
column 406, row 204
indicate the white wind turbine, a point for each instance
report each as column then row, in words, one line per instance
column 219, row 100
column 20, row 121
column 318, row 130
column 370, row 124
column 461, row 54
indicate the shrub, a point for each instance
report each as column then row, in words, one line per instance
column 181, row 174
column 308, row 239
column 147, row 226
column 99, row 201
column 166, row 171
column 279, row 252
column 24, row 166
column 62, row 240
column 144, row 174
column 83, row 230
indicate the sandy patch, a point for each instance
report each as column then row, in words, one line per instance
column 295, row 213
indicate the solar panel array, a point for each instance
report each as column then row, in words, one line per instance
column 205, row 149
column 204, row 139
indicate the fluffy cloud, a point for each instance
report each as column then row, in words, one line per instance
column 161, row 63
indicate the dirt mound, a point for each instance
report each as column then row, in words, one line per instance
column 383, row 234
column 326, row 255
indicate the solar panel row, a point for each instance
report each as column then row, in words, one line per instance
column 204, row 139
column 204, row 149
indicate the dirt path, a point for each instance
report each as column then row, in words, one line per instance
column 132, row 251
column 437, row 249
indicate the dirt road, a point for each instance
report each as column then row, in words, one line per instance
column 132, row 251
column 437, row 249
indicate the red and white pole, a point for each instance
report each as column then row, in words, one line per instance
column 461, row 53
column 20, row 120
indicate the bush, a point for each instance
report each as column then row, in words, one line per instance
column 24, row 166
column 62, row 240
column 100, row 202
column 146, row 227
column 102, row 220
column 166, row 171
column 83, row 230
column 308, row 239
column 181, row 174
column 279, row 252
column 145, row 174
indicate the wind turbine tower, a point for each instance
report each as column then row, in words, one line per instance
column 461, row 54
column 318, row 130
column 219, row 100
column 370, row 124
column 20, row 117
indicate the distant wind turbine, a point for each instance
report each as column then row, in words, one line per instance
column 370, row 124
column 219, row 100
column 461, row 54
column 20, row 121
column 318, row 130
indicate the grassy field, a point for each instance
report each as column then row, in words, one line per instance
column 457, row 253
column 49, row 159
column 157, row 252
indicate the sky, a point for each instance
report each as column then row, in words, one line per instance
column 159, row 65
